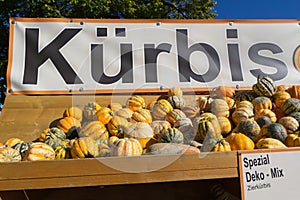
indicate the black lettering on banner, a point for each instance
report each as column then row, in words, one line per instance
column 34, row 57
column 184, row 53
column 97, row 65
column 280, row 66
column 151, row 54
column 234, row 62
column 234, row 56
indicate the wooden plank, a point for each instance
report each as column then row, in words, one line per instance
column 113, row 179
column 87, row 172
column 117, row 165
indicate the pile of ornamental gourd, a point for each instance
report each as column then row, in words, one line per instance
column 267, row 116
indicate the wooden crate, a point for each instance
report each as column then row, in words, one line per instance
column 27, row 116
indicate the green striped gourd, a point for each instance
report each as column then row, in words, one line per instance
column 290, row 105
column 264, row 86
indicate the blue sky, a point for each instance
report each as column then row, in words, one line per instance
column 258, row 9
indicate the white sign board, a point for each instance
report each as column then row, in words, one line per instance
column 63, row 55
column 270, row 175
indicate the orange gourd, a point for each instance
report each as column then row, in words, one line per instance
column 68, row 125
column 104, row 115
column 224, row 91
column 135, row 102
column 239, row 141
column 142, row 115
column 230, row 102
column 74, row 112
column 84, row 147
column 283, row 87
column 294, row 91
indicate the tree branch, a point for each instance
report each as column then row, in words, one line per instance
column 175, row 7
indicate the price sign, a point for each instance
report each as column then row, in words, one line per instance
column 270, row 174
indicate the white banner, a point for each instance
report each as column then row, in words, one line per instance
column 63, row 55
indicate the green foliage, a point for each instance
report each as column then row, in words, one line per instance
column 127, row 9
column 140, row 9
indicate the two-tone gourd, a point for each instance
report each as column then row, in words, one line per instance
column 39, row 151
column 9, row 154
column 265, row 86
column 90, row 110
column 142, row 115
column 54, row 136
column 207, row 125
column 84, row 147
column 141, row 131
column 160, row 109
column 95, row 129
column 171, row 135
column 126, row 147
column 290, row 105
column 69, row 125
column 135, row 102
column 273, row 130
column 104, row 114
column 117, row 125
